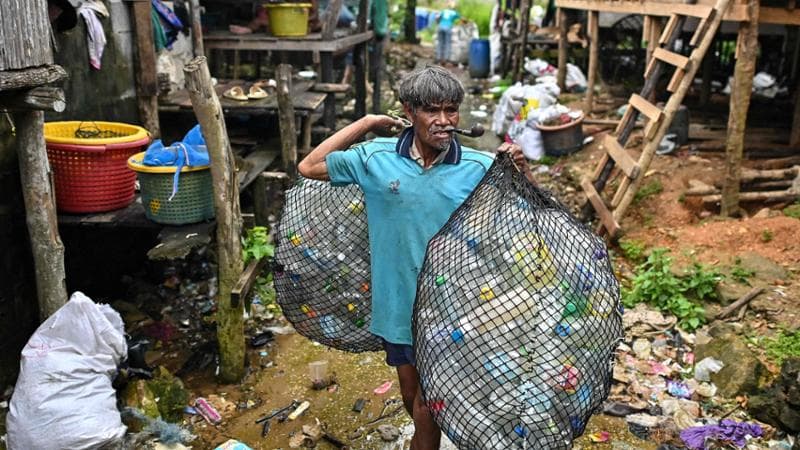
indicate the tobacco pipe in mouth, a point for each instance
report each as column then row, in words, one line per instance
column 475, row 131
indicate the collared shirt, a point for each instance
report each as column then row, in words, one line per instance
column 408, row 148
column 417, row 156
column 406, row 206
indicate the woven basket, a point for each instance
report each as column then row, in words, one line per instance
column 193, row 203
column 89, row 164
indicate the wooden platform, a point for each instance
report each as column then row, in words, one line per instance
column 304, row 101
column 342, row 40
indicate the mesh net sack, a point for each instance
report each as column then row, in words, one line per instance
column 322, row 273
column 516, row 319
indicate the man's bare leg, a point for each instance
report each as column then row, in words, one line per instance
column 426, row 433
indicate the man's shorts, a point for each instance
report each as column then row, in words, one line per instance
column 398, row 354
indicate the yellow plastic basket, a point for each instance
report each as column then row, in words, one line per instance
column 288, row 19
column 92, row 133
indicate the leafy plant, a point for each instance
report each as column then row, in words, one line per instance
column 656, row 285
column 478, row 11
column 766, row 235
column 633, row 250
column 256, row 245
column 740, row 274
column 783, row 346
column 652, row 188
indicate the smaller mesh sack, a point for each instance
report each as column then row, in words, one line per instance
column 322, row 274
column 516, row 319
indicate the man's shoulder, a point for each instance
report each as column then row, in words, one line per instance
column 470, row 155
column 378, row 145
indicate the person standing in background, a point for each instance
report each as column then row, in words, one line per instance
column 444, row 34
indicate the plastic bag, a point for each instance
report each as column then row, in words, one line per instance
column 516, row 97
column 63, row 398
column 516, row 319
column 191, row 151
column 462, row 35
column 707, row 366
column 322, row 278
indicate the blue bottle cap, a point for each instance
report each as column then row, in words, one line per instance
column 457, row 335
column 520, row 430
column 472, row 243
column 562, row 329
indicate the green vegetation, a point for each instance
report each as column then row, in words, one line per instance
column 652, row 188
column 767, row 235
column 633, row 250
column 478, row 11
column 792, row 211
column 740, row 274
column 786, row 344
column 656, row 285
column 255, row 246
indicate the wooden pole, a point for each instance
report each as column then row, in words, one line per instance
column 40, row 211
column 794, row 136
column 230, row 324
column 360, row 63
column 562, row 49
column 594, row 44
column 286, row 119
column 197, row 28
column 522, row 46
column 746, row 53
column 146, row 79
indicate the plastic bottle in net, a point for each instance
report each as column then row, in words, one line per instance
column 322, row 276
column 516, row 319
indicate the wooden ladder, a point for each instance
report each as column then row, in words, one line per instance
column 657, row 120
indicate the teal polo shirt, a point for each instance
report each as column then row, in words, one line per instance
column 406, row 205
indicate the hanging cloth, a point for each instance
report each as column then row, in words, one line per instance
column 95, row 35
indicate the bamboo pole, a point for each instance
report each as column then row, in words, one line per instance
column 197, row 28
column 230, row 324
column 40, row 212
column 746, row 54
column 594, row 43
column 522, row 46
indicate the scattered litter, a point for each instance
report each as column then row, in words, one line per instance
column 707, row 366
column 388, row 432
column 359, row 405
column 300, row 410
column 727, row 432
column 262, row 339
column 678, row 389
column 601, row 436
column 205, row 409
column 233, row 444
column 384, row 388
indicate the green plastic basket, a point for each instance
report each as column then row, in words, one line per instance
column 194, row 201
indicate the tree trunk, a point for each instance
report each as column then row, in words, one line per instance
column 410, row 22
column 746, row 53
column 230, row 324
column 146, row 74
column 40, row 211
column 594, row 44
column 562, row 49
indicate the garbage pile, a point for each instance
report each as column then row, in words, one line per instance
column 516, row 319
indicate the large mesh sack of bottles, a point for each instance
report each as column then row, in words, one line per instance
column 516, row 319
column 322, row 276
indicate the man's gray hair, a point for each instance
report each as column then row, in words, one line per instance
column 432, row 85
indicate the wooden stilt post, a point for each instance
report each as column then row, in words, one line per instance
column 230, row 324
column 40, row 210
column 197, row 28
column 594, row 44
column 746, row 53
column 286, row 119
column 146, row 79
column 562, row 49
column 522, row 46
column 360, row 63
column 794, row 136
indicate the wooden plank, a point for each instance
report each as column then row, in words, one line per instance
column 668, row 29
column 286, row 118
column 628, row 166
column 197, row 29
column 669, row 57
column 330, row 19
column 781, row 16
column 561, row 75
column 594, row 46
column 43, row 98
column 599, row 168
column 600, row 208
column 330, row 87
column 627, row 116
column 242, row 287
column 735, row 13
column 258, row 161
column 676, row 79
column 29, row 78
column 650, row 110
column 264, row 43
column 146, row 75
